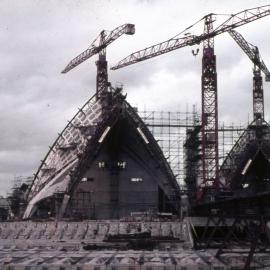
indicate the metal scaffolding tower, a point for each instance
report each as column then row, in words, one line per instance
column 172, row 128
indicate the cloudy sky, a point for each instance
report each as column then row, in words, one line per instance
column 38, row 38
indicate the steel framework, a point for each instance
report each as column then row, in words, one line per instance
column 171, row 129
column 245, row 235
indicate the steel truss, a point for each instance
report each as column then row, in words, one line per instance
column 239, row 234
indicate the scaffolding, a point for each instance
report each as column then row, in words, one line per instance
column 16, row 197
column 18, row 181
column 170, row 129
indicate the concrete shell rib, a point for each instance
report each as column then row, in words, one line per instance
column 53, row 173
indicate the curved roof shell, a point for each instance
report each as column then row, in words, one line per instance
column 65, row 164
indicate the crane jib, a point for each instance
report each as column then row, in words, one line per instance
column 235, row 20
column 104, row 41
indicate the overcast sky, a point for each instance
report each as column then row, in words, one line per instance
column 38, row 39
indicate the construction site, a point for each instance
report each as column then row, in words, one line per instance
column 122, row 188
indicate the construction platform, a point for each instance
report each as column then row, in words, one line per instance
column 110, row 244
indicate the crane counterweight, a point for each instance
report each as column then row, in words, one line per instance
column 130, row 29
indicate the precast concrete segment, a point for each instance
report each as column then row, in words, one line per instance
column 33, row 234
column 131, row 259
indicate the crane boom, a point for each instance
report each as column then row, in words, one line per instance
column 232, row 22
column 104, row 41
column 98, row 46
column 251, row 51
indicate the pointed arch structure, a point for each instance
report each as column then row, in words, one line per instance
column 247, row 166
column 104, row 164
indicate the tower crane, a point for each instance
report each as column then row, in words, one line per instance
column 254, row 55
column 98, row 46
column 210, row 181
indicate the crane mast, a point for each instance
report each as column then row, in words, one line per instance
column 209, row 110
column 258, row 97
column 210, row 175
column 259, row 66
column 102, row 68
column 98, row 46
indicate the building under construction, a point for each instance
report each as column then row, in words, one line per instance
column 104, row 165
column 120, row 189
